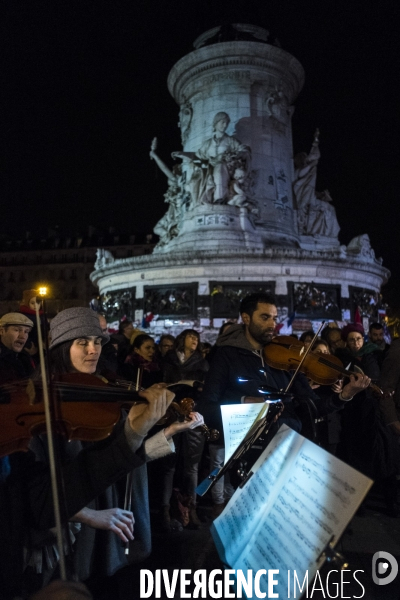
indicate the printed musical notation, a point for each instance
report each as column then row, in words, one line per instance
column 237, row 420
column 297, row 500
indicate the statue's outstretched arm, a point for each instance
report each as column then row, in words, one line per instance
column 162, row 166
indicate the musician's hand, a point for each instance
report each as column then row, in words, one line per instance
column 142, row 417
column 113, row 519
column 193, row 420
column 338, row 386
column 358, row 383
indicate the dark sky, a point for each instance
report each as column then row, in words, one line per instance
column 83, row 92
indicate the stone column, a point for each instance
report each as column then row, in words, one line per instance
column 255, row 83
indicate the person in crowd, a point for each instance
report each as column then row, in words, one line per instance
column 376, row 336
column 98, row 551
column 184, row 362
column 14, row 333
column 325, row 429
column 390, row 376
column 307, row 337
column 108, row 363
column 141, row 365
column 238, row 368
column 366, row 444
column 165, row 344
column 206, row 349
column 333, row 336
column 125, row 332
column 25, row 492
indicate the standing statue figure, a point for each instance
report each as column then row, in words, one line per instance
column 305, row 179
column 167, row 226
column 315, row 215
column 221, row 154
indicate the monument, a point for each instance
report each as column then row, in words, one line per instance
column 243, row 213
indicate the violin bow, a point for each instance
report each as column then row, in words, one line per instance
column 129, row 477
column 54, row 471
column 289, row 385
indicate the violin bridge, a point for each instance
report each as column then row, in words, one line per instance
column 30, row 390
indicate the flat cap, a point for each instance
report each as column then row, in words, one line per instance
column 15, row 319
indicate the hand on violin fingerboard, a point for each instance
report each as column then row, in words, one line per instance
column 142, row 417
column 358, row 383
column 193, row 420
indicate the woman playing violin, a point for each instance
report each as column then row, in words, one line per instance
column 25, row 492
column 98, row 549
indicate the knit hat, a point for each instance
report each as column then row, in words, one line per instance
column 27, row 295
column 15, row 319
column 73, row 323
column 350, row 328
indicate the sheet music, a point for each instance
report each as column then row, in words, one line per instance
column 248, row 504
column 314, row 500
column 237, row 420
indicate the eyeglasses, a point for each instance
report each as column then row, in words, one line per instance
column 353, row 340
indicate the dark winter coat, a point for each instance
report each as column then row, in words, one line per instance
column 236, row 360
column 194, row 368
column 26, row 499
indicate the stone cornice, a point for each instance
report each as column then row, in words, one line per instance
column 324, row 258
column 233, row 54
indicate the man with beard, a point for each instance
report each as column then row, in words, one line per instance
column 238, row 369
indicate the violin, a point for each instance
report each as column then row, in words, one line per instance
column 179, row 411
column 285, row 353
column 87, row 409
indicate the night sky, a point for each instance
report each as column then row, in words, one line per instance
column 83, row 92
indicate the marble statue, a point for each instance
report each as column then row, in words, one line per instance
column 315, row 215
column 167, row 226
column 185, row 119
column 221, row 155
column 277, row 105
column 361, row 246
column 104, row 258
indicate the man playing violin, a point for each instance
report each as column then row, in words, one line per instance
column 238, row 370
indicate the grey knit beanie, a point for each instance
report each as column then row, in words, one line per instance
column 73, row 323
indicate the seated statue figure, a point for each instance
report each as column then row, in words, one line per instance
column 221, row 155
column 321, row 218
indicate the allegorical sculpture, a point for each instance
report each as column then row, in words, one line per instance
column 218, row 173
column 315, row 215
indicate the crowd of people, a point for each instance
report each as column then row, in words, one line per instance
column 350, row 419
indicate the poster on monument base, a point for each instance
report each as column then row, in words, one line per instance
column 297, row 502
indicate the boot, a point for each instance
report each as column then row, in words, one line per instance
column 194, row 518
column 166, row 518
column 217, row 509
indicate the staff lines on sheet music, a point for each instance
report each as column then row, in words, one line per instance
column 299, row 533
column 272, row 534
column 288, row 533
column 303, row 519
column 328, row 513
column 345, row 501
column 332, row 474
